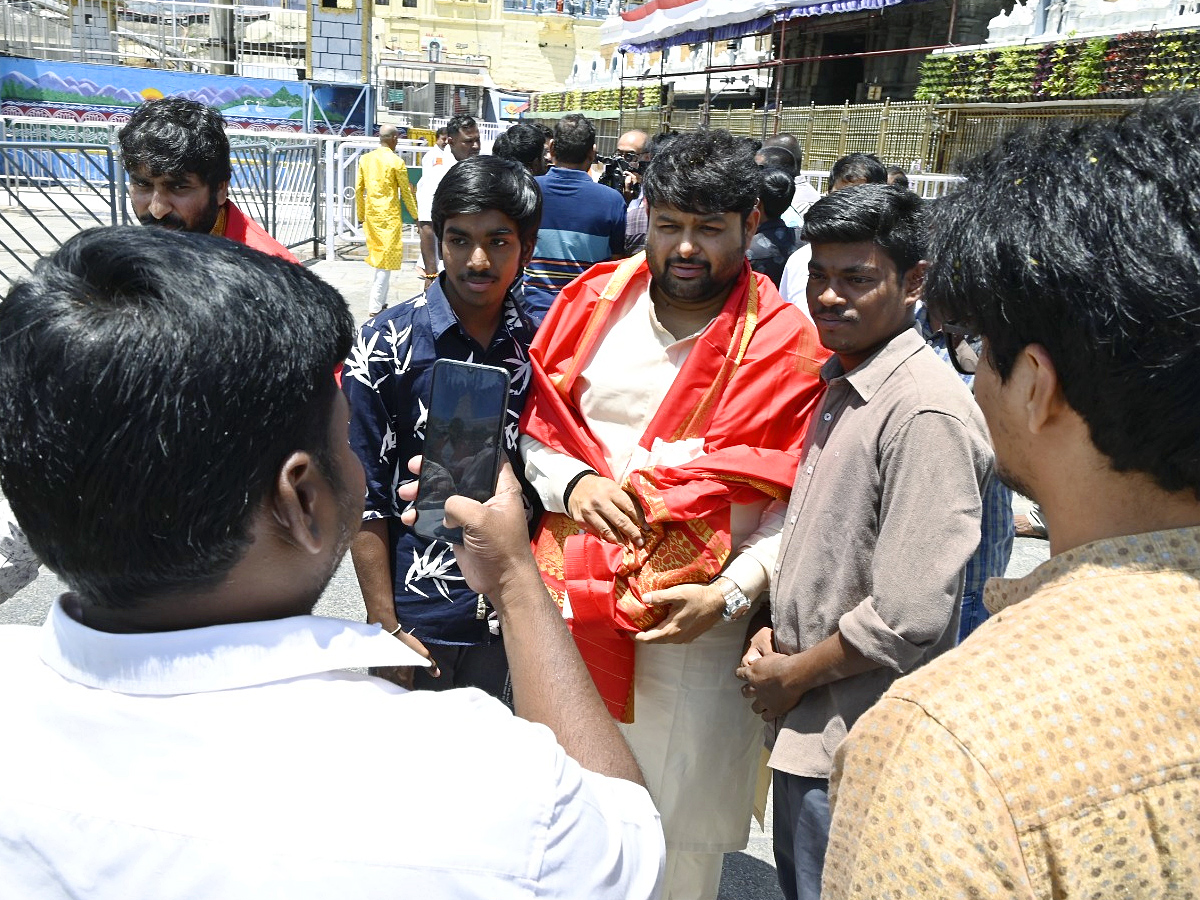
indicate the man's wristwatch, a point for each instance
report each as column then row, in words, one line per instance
column 736, row 602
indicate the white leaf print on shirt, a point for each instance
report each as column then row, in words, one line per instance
column 400, row 342
column 437, row 568
column 358, row 365
column 388, row 444
column 419, row 425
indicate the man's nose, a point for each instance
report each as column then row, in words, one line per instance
column 159, row 206
column 479, row 259
column 829, row 297
column 686, row 246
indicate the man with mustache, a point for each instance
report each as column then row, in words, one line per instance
column 671, row 392
column 870, row 573
column 176, row 156
column 485, row 213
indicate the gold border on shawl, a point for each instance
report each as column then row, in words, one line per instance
column 218, row 229
column 770, row 489
column 697, row 422
column 616, row 284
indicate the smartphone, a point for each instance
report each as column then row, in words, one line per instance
column 463, row 442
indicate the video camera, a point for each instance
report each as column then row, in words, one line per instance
column 615, row 168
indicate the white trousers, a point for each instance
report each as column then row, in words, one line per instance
column 379, row 291
column 698, row 744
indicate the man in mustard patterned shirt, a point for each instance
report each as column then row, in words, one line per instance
column 381, row 180
column 1057, row 751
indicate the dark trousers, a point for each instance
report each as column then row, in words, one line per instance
column 484, row 666
column 800, row 834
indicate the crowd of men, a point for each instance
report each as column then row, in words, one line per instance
column 727, row 494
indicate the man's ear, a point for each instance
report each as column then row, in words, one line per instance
column 294, row 505
column 751, row 226
column 222, row 193
column 550, row 148
column 914, row 282
column 1040, row 390
column 527, row 248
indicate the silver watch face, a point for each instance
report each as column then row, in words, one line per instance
column 735, row 602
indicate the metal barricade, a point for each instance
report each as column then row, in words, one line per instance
column 342, row 226
column 60, row 177
column 277, row 184
column 52, row 191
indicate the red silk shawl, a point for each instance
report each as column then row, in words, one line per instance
column 747, row 388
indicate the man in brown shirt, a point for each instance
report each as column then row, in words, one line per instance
column 1057, row 752
column 884, row 513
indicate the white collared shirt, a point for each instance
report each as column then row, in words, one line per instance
column 234, row 761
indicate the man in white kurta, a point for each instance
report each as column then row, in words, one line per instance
column 696, row 745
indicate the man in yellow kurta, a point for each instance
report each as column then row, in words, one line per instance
column 382, row 179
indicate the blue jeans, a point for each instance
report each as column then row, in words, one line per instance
column 800, row 833
column 973, row 614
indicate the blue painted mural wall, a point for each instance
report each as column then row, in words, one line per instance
column 94, row 93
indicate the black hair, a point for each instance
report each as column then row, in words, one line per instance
column 778, row 158
column 177, row 136
column 658, row 140
column 897, row 176
column 151, row 386
column 523, row 143
column 460, row 123
column 858, row 168
column 488, row 182
column 704, row 172
column 779, row 186
column 788, row 142
column 441, row 131
column 574, row 138
column 1086, row 240
column 890, row 217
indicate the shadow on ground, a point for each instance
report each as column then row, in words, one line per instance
column 745, row 877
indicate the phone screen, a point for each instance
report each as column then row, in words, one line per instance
column 463, row 443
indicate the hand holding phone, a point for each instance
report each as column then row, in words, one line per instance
column 463, row 442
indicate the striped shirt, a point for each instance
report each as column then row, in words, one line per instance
column 996, row 530
column 582, row 223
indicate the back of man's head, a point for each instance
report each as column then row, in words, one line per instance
column 482, row 183
column 523, row 143
column 389, row 135
column 788, row 142
column 857, row 168
column 704, row 172
column 574, row 139
column 890, row 217
column 777, row 158
column 779, row 186
column 176, row 136
column 897, row 176
column 151, row 386
column 1086, row 241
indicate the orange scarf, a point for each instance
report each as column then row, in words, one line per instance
column 747, row 388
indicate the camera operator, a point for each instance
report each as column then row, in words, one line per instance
column 636, row 218
column 626, row 166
